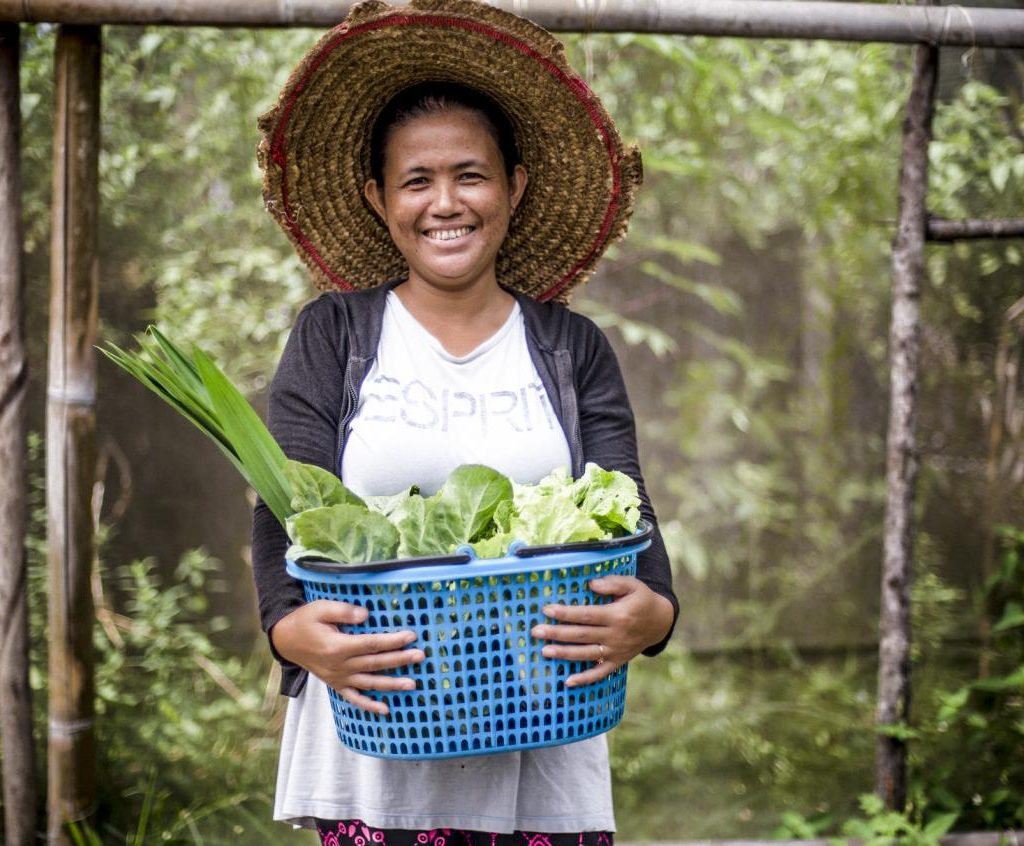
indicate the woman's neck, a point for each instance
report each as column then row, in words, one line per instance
column 460, row 320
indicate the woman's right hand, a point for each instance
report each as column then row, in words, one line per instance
column 349, row 663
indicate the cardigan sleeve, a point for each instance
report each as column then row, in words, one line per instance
column 305, row 408
column 608, row 436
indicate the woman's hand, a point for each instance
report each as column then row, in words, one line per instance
column 350, row 663
column 607, row 635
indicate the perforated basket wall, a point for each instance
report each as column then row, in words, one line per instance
column 484, row 686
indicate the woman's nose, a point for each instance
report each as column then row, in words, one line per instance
column 446, row 199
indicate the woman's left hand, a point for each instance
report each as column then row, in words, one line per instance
column 606, row 635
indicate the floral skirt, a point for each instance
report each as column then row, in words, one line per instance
column 357, row 833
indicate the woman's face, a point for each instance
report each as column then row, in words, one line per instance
column 446, row 198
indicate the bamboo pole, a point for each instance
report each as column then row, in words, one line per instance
column 941, row 230
column 894, row 687
column 70, row 427
column 19, row 773
column 952, row 26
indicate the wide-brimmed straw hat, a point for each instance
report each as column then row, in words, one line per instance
column 315, row 152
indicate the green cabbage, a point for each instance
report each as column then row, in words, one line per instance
column 476, row 506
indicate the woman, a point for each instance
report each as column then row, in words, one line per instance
column 445, row 147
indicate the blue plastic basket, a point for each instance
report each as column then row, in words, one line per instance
column 484, row 686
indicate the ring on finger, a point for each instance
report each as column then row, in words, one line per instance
column 600, row 654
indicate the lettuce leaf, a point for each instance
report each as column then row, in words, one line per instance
column 314, row 487
column 611, row 498
column 461, row 512
column 476, row 505
column 547, row 514
column 387, row 504
column 467, row 501
column 415, row 536
column 349, row 534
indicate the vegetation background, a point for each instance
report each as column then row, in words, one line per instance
column 749, row 307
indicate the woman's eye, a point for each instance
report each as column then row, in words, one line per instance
column 415, row 182
column 470, row 176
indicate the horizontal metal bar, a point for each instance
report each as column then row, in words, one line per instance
column 942, row 230
column 950, row 26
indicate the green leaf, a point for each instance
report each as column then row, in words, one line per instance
column 414, row 532
column 199, row 391
column 466, row 503
column 314, row 487
column 348, row 534
column 1013, row 616
column 493, row 547
column 1014, row 681
column 387, row 504
column 550, row 516
column 900, row 731
column 609, row 497
column 952, row 703
column 940, row 825
column 1000, row 174
column 257, row 450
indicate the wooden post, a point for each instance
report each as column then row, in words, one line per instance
column 70, row 427
column 901, row 465
column 19, row 774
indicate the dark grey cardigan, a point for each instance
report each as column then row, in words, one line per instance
column 314, row 393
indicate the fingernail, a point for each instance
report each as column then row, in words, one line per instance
column 539, row 631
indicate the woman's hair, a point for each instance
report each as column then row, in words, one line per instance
column 432, row 98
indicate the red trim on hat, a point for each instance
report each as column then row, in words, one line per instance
column 579, row 88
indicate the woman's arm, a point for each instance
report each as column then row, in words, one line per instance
column 642, row 615
column 305, row 409
column 305, row 401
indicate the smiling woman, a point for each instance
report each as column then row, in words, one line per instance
column 447, row 178
column 446, row 194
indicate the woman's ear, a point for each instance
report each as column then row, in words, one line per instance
column 375, row 197
column 517, row 186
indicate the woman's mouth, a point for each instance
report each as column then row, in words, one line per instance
column 447, row 234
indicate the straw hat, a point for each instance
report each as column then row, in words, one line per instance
column 315, row 151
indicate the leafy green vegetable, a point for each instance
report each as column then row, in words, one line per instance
column 476, row 505
column 349, row 534
column 460, row 512
column 467, row 501
column 386, row 505
column 610, row 498
column 547, row 514
column 314, row 487
column 415, row 533
column 200, row 391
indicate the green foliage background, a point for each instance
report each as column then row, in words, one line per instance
column 750, row 308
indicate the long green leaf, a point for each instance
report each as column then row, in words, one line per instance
column 256, row 448
column 185, row 368
column 163, row 382
column 200, row 392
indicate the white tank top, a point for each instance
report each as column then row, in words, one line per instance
column 421, row 413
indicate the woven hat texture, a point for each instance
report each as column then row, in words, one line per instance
column 315, row 151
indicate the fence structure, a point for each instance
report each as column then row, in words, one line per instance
column 71, row 378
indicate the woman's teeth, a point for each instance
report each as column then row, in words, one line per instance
column 448, row 234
